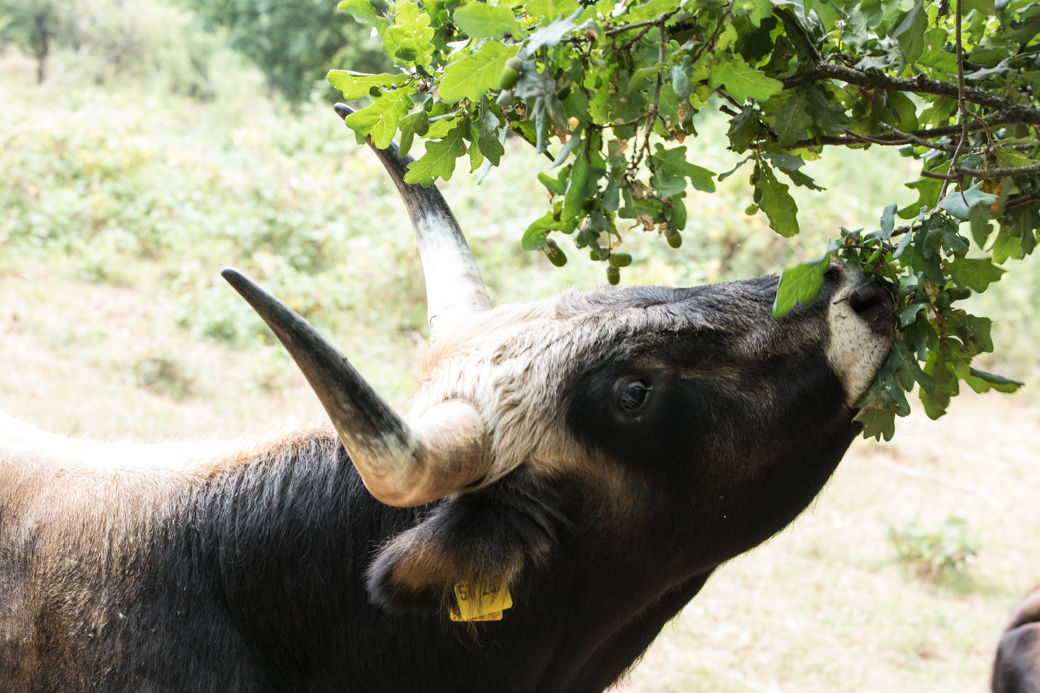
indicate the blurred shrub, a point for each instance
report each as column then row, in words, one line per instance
column 165, row 375
column 939, row 554
column 104, row 40
column 295, row 42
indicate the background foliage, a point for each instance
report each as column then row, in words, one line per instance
column 294, row 42
column 620, row 84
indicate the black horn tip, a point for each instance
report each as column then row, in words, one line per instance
column 342, row 110
column 236, row 278
column 249, row 290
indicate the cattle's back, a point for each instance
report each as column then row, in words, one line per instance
column 92, row 547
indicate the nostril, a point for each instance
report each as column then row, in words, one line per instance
column 871, row 302
column 867, row 303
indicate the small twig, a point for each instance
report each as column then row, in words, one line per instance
column 914, row 139
column 941, row 176
column 639, row 25
column 991, row 173
column 962, row 108
column 722, row 92
column 1022, row 201
column 867, row 139
column 998, row 118
column 715, row 34
column 638, row 36
column 652, row 112
column 870, row 80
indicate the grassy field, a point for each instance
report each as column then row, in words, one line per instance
column 118, row 207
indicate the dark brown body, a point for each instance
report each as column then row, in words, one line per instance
column 1017, row 668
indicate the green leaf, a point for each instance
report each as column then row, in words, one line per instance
column 743, row 82
column 470, row 77
column 380, row 120
column 552, row 34
column 671, row 166
column 487, row 21
column 982, row 6
column 487, row 122
column 1007, row 246
column 794, row 119
column 877, row 423
column 440, row 156
column 980, row 226
column 558, row 185
column 534, row 236
column 356, row 85
column 364, row 12
column 1011, row 158
column 981, row 381
column 938, row 365
column 907, row 369
column 975, row 274
column 960, row 203
column 576, row 186
column 414, row 124
column 908, row 315
column 776, row 202
column 800, row 285
column 910, row 32
column 888, row 222
column 548, row 10
column 410, row 35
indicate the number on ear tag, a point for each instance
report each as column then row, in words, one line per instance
column 481, row 601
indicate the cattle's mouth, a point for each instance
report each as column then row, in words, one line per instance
column 873, row 304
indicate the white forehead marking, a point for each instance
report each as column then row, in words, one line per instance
column 855, row 352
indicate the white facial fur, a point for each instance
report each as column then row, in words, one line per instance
column 855, row 351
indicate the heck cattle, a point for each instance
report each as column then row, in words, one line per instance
column 1017, row 667
column 597, row 455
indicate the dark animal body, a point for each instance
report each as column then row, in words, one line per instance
column 600, row 454
column 1017, row 667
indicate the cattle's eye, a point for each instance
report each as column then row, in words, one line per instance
column 633, row 394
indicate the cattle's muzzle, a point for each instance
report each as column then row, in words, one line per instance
column 873, row 304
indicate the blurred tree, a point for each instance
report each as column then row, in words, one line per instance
column 36, row 25
column 294, row 42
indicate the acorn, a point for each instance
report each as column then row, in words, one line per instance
column 554, row 253
column 620, row 259
column 510, row 74
column 673, row 237
column 613, row 275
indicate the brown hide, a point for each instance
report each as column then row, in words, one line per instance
column 1017, row 666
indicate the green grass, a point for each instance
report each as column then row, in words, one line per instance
column 118, row 208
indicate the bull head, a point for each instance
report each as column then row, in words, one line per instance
column 692, row 409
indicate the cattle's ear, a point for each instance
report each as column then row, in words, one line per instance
column 491, row 534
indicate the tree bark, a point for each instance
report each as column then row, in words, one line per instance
column 42, row 47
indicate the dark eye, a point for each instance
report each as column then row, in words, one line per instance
column 632, row 395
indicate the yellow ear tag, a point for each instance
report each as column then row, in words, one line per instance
column 481, row 601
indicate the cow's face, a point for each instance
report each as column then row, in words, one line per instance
column 688, row 408
column 612, row 413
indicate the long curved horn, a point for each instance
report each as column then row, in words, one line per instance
column 454, row 289
column 401, row 465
